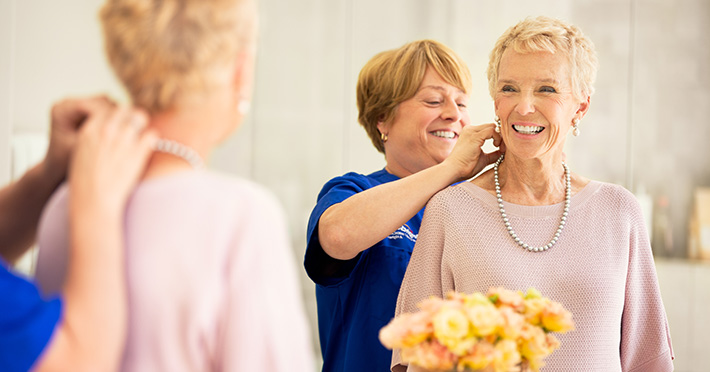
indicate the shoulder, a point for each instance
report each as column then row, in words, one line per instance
column 463, row 192
column 610, row 203
column 612, row 195
column 209, row 187
column 457, row 201
column 248, row 194
column 356, row 181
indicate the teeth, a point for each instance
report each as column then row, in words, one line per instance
column 527, row 129
column 444, row 134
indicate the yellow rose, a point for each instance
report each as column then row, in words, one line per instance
column 506, row 297
column 451, row 326
column 429, row 355
column 406, row 330
column 555, row 318
column 431, row 305
column 506, row 356
column 512, row 323
column 480, row 357
column 462, row 346
column 534, row 308
column 485, row 319
column 535, row 346
column 476, row 299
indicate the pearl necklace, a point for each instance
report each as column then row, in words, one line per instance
column 178, row 149
column 568, row 196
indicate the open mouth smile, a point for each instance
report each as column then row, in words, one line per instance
column 528, row 129
column 444, row 134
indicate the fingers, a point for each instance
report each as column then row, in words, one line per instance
column 70, row 113
column 480, row 133
column 111, row 153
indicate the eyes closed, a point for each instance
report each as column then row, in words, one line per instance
column 436, row 101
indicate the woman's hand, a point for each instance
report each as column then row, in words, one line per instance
column 467, row 157
column 67, row 117
column 112, row 149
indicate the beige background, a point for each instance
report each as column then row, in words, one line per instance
column 647, row 126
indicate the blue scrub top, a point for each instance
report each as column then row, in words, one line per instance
column 357, row 297
column 27, row 321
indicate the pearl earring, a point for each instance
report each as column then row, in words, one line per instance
column 497, row 124
column 575, row 130
column 243, row 106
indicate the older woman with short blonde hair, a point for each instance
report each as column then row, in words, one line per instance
column 531, row 222
column 212, row 283
column 412, row 103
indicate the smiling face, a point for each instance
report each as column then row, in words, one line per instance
column 425, row 127
column 535, row 103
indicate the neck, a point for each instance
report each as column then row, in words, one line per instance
column 532, row 181
column 198, row 128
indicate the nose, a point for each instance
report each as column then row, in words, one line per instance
column 526, row 104
column 451, row 111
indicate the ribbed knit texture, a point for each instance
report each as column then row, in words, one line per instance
column 601, row 269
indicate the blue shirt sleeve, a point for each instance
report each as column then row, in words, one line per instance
column 320, row 267
column 27, row 321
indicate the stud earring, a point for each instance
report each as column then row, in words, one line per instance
column 497, row 124
column 383, row 137
column 575, row 130
column 243, row 106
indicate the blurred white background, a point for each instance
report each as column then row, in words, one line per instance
column 647, row 128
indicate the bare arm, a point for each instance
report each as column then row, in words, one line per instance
column 109, row 157
column 21, row 203
column 350, row 227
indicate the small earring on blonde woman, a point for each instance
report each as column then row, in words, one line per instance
column 575, row 130
column 244, row 106
column 497, row 124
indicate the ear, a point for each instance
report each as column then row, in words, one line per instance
column 382, row 126
column 583, row 108
column 243, row 74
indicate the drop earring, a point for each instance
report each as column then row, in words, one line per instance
column 497, row 124
column 575, row 130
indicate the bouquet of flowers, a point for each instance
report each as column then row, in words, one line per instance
column 501, row 331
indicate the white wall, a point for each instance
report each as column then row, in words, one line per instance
column 648, row 123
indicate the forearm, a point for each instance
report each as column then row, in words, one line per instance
column 21, row 205
column 93, row 328
column 350, row 227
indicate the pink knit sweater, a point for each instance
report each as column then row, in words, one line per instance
column 212, row 281
column 601, row 269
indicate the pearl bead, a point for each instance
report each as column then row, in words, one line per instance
column 178, row 149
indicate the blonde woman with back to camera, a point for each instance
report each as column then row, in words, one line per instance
column 531, row 222
column 212, row 284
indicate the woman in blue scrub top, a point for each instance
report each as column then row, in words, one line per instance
column 84, row 330
column 412, row 103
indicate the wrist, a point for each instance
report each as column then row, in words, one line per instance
column 51, row 174
column 452, row 170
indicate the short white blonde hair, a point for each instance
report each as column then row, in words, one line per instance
column 168, row 51
column 540, row 34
